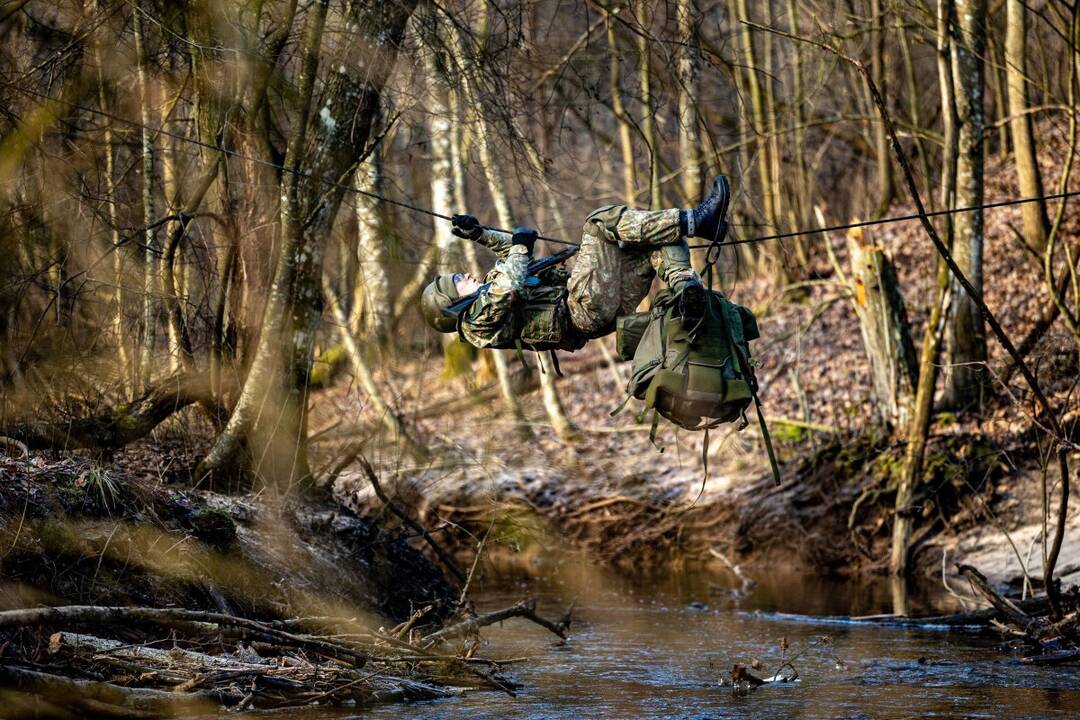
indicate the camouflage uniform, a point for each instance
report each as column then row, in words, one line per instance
column 622, row 249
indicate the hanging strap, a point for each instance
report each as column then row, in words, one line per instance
column 652, row 431
column 520, row 352
column 767, row 438
column 555, row 363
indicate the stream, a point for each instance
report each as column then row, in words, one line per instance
column 658, row 648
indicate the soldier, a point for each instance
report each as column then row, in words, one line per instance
column 622, row 249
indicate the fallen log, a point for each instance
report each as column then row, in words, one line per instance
column 1000, row 603
column 103, row 699
column 177, row 618
column 120, row 426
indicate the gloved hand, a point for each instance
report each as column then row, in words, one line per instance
column 466, row 226
column 524, row 236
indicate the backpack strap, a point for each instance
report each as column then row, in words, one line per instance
column 555, row 363
column 652, row 431
column 747, row 370
column 520, row 352
column 767, row 438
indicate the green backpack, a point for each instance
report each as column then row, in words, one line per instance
column 699, row 378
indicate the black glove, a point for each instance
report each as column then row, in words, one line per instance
column 524, row 236
column 466, row 226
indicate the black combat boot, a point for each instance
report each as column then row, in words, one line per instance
column 675, row 269
column 692, row 303
column 706, row 221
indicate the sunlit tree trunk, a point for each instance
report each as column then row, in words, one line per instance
column 885, row 331
column 966, row 333
column 149, row 234
column 114, row 226
column 626, row 144
column 802, row 185
column 689, row 90
column 502, row 211
column 648, row 119
column 386, row 414
column 915, row 107
column 1036, row 221
column 918, row 430
column 372, row 307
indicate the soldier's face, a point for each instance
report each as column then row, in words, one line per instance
column 466, row 284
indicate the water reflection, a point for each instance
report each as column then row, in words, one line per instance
column 656, row 647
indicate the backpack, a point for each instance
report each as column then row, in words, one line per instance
column 699, row 378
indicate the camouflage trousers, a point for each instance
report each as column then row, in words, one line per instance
column 622, row 250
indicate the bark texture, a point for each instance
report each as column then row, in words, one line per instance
column 885, row 331
column 966, row 330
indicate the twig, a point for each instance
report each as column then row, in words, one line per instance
column 524, row 609
column 1002, row 604
column 405, row 518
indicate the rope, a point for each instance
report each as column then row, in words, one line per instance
column 432, row 213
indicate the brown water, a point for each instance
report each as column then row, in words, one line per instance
column 658, row 649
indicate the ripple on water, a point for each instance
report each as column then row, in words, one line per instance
column 643, row 652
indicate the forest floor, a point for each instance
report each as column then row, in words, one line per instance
column 616, row 498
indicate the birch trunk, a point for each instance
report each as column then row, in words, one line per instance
column 1036, row 220
column 626, row 144
column 966, row 332
column 372, row 308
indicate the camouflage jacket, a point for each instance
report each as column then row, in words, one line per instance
column 514, row 311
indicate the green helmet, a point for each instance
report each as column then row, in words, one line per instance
column 439, row 293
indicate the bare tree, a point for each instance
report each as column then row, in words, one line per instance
column 966, row 333
column 1036, row 222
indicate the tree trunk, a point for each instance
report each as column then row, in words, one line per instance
column 689, row 90
column 915, row 106
column 150, row 254
column 626, row 144
column 883, row 161
column 270, row 417
column 803, row 183
column 114, row 227
column 918, row 428
column 966, row 331
column 885, row 331
column 372, row 308
column 648, row 118
column 1036, row 221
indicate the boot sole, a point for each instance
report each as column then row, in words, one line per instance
column 692, row 304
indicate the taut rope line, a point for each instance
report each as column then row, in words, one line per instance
column 432, row 213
